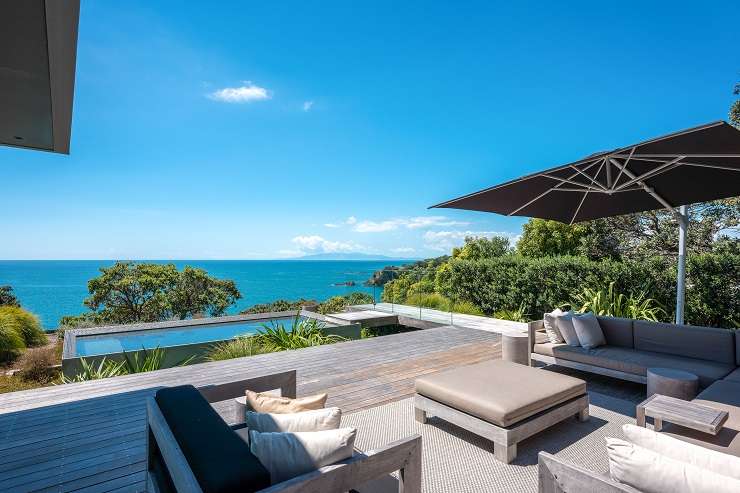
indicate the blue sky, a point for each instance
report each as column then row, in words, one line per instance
column 273, row 129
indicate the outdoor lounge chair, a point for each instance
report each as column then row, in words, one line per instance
column 191, row 449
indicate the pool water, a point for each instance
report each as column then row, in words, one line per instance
column 149, row 339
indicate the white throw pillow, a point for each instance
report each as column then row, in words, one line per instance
column 711, row 460
column 565, row 326
column 551, row 326
column 651, row 472
column 287, row 455
column 318, row 420
column 588, row 330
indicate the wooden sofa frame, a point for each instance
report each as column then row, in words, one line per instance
column 557, row 476
column 539, row 326
column 504, row 440
column 403, row 455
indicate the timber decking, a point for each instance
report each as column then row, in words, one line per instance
column 90, row 436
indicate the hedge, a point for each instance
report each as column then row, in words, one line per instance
column 503, row 283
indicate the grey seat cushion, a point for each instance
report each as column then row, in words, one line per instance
column 500, row 392
column 636, row 362
column 724, row 395
column 734, row 376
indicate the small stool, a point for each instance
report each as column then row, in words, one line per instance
column 673, row 383
column 514, row 348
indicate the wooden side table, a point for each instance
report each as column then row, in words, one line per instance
column 515, row 348
column 674, row 383
column 678, row 411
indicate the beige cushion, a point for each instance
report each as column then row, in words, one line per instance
column 500, row 392
column 551, row 326
column 266, row 403
column 318, row 420
column 565, row 326
column 673, row 448
column 723, row 395
column 588, row 330
column 635, row 362
column 287, row 455
column 651, row 472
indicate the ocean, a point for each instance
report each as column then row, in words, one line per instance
column 54, row 288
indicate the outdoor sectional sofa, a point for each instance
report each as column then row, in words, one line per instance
column 633, row 346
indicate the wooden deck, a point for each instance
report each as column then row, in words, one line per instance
column 90, row 436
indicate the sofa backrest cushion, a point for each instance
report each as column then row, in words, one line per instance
column 737, row 347
column 617, row 331
column 220, row 460
column 707, row 343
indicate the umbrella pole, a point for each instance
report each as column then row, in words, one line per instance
column 683, row 224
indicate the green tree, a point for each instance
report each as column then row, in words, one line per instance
column 544, row 238
column 197, row 292
column 479, row 248
column 7, row 298
column 129, row 292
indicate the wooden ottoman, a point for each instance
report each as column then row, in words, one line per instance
column 502, row 401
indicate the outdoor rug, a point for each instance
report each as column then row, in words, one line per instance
column 457, row 461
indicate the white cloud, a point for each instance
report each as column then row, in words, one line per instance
column 444, row 241
column 307, row 105
column 243, row 94
column 351, row 220
column 332, row 225
column 403, row 250
column 408, row 222
column 317, row 244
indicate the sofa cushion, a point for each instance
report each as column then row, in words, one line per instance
column 567, row 331
column 220, row 460
column 498, row 391
column 737, row 347
column 724, row 395
column 635, row 362
column 588, row 331
column 734, row 376
column 617, row 331
column 706, row 343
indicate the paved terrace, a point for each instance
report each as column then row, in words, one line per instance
column 90, row 436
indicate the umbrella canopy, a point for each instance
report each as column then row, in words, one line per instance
column 694, row 165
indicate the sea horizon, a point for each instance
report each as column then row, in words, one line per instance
column 55, row 288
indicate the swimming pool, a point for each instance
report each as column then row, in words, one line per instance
column 116, row 342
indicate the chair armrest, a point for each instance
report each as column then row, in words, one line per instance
column 558, row 476
column 532, row 328
column 403, row 456
column 285, row 381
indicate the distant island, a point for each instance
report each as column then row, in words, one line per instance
column 345, row 256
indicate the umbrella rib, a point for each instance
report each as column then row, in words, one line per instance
column 573, row 219
column 713, row 166
column 649, row 190
column 556, row 187
column 653, row 172
column 587, row 176
column 585, row 186
column 621, row 170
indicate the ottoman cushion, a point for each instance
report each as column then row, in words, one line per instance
column 500, row 392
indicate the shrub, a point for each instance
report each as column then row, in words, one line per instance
column 91, row 371
column 368, row 332
column 25, row 323
column 37, row 365
column 430, row 300
column 610, row 303
column 466, row 307
column 11, row 343
column 238, row 347
column 518, row 315
column 304, row 333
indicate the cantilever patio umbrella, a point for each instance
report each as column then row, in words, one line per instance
column 694, row 165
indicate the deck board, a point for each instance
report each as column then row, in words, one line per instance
column 90, row 436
